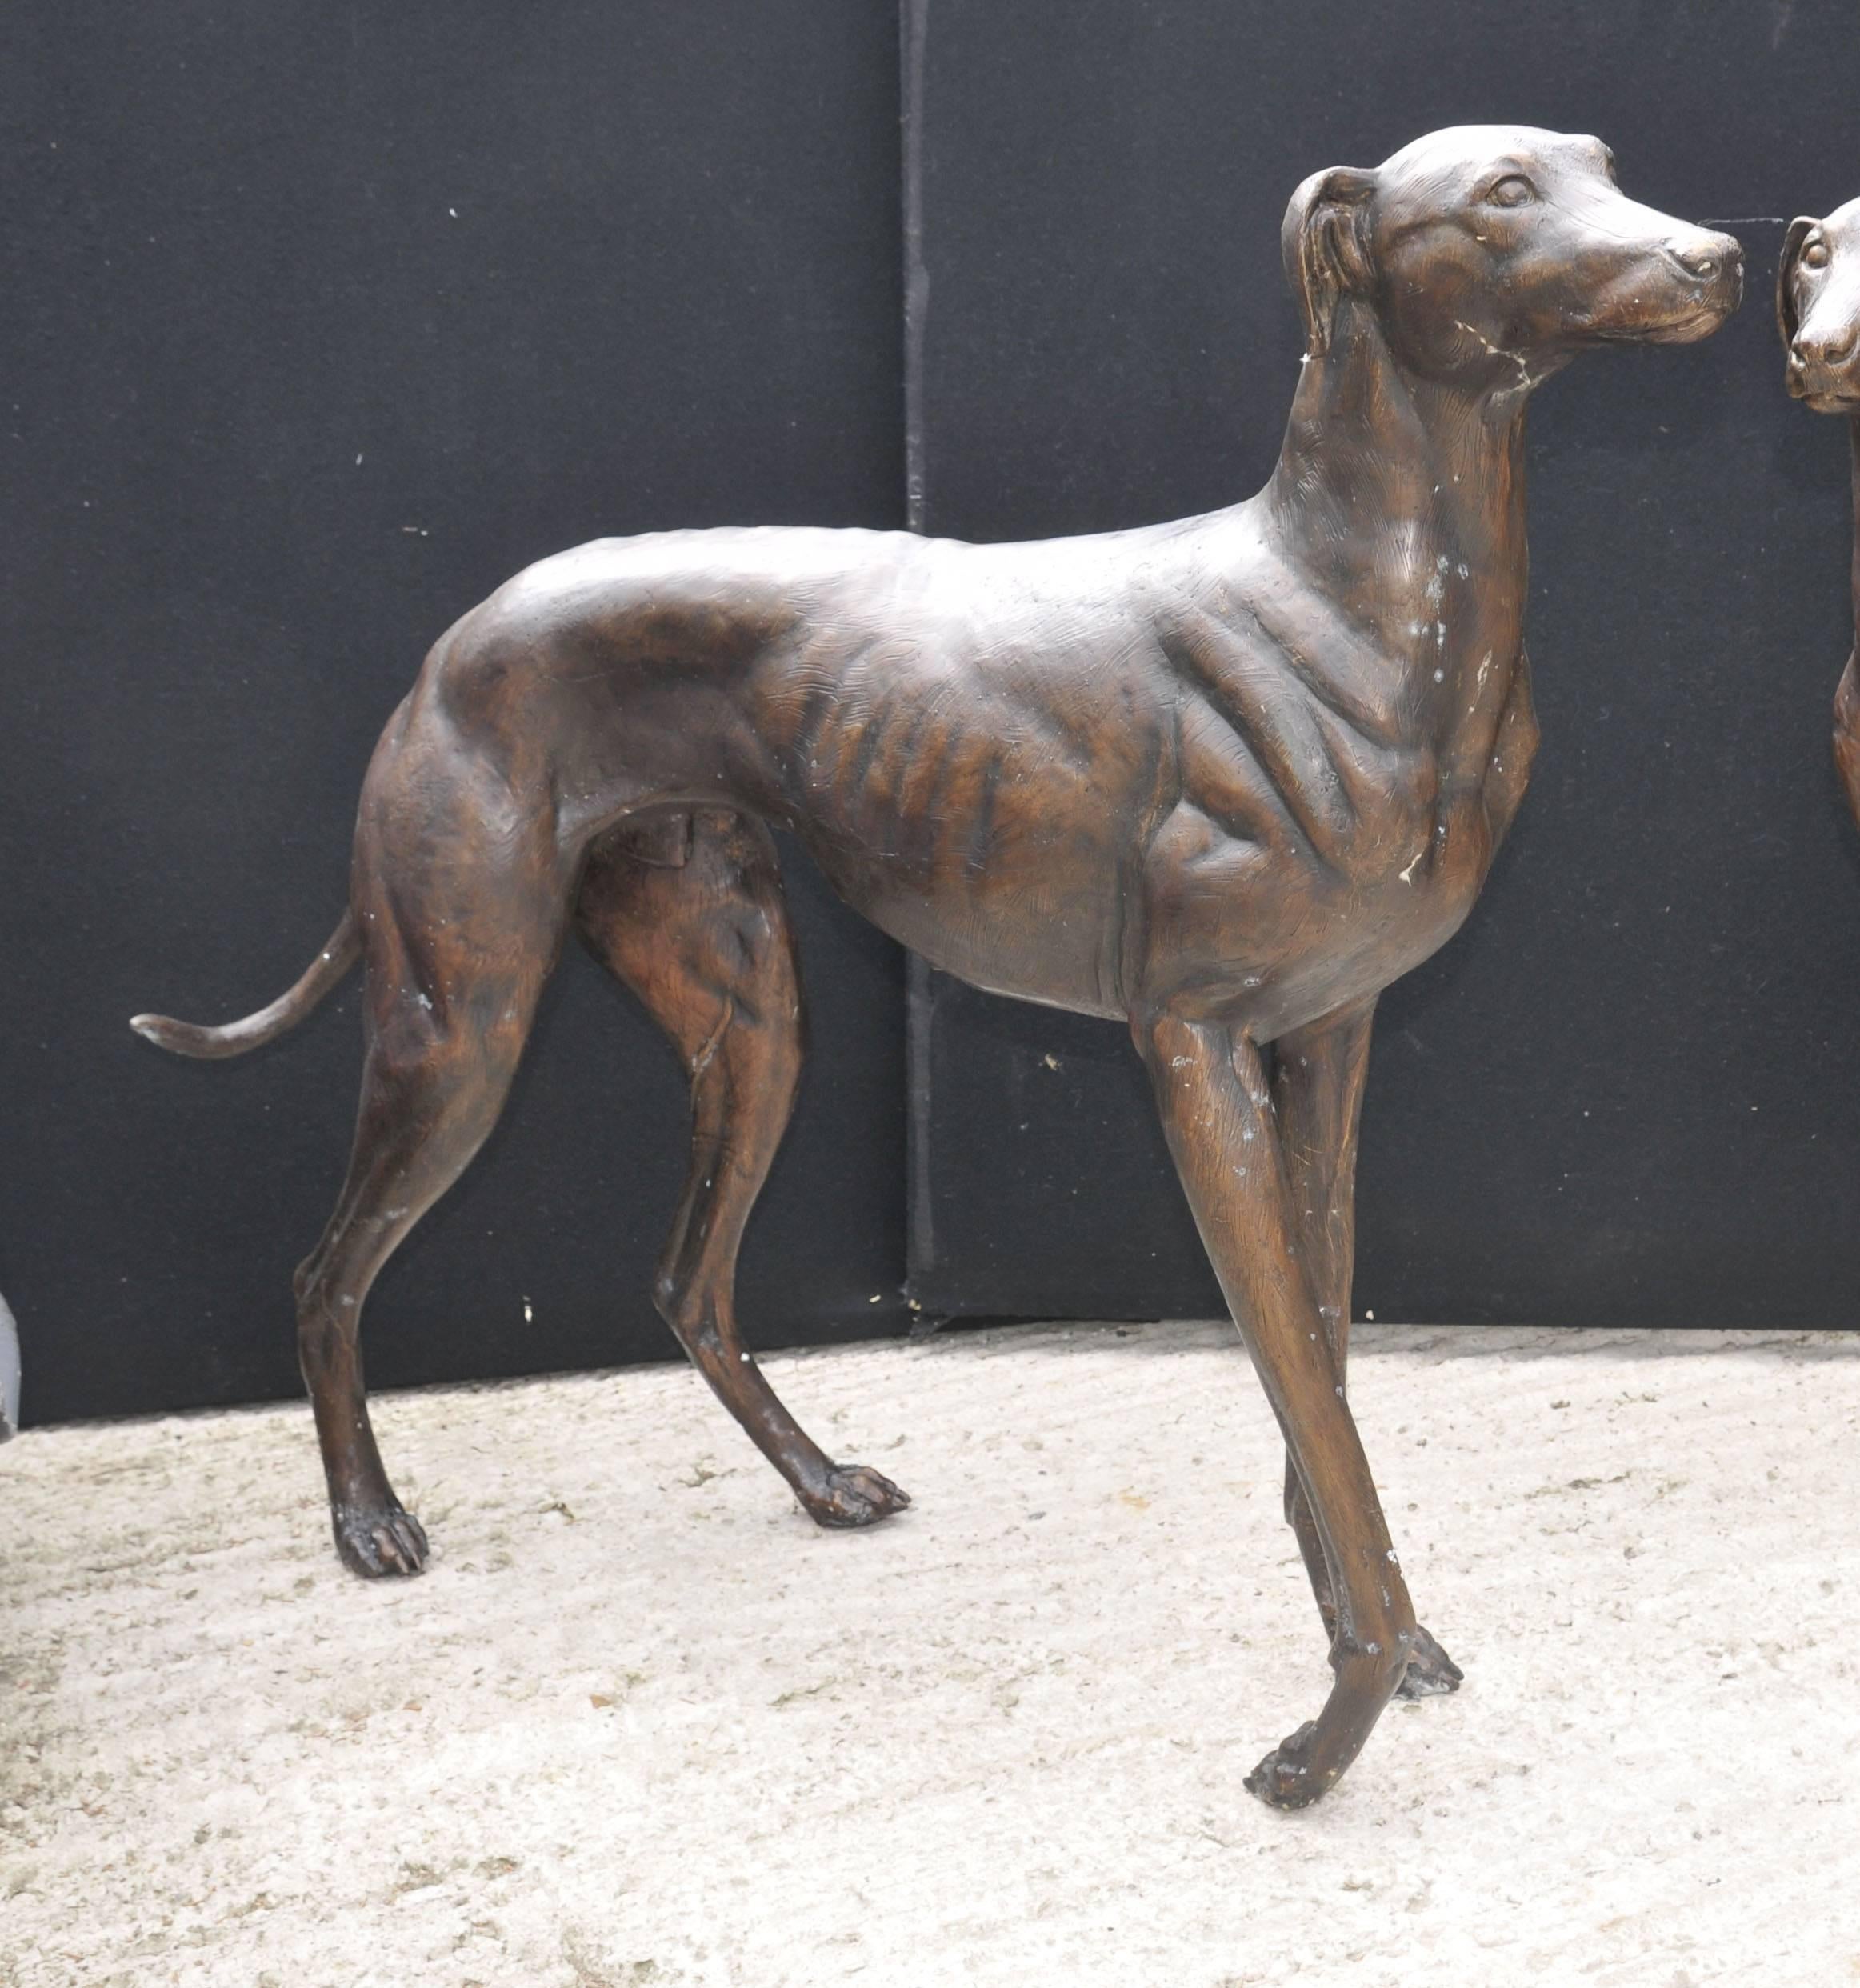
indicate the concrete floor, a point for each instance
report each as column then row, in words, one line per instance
column 641, row 1722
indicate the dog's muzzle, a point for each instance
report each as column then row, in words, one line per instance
column 1824, row 367
column 1712, row 265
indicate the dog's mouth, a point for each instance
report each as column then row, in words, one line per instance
column 1696, row 324
column 1823, row 388
column 1685, row 326
column 1666, row 313
column 1687, row 330
column 1825, row 400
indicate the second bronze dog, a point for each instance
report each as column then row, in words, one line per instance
column 1818, row 310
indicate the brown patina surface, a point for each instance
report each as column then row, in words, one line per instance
column 1224, row 778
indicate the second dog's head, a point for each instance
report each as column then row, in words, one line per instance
column 1818, row 309
column 1491, row 254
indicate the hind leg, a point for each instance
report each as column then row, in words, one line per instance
column 687, row 909
column 457, row 954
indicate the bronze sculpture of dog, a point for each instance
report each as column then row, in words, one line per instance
column 1818, row 310
column 1223, row 779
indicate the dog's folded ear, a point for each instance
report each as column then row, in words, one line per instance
column 1786, row 314
column 1325, row 241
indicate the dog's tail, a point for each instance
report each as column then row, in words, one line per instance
column 188, row 1039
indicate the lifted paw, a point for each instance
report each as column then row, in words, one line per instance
column 854, row 1495
column 379, row 1539
column 1431, row 1673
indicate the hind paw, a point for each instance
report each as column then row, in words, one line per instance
column 1431, row 1673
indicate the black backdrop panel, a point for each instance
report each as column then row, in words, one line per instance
column 1627, row 1093
column 319, row 323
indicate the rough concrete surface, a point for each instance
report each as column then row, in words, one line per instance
column 641, row 1722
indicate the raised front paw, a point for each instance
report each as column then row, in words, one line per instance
column 1431, row 1673
column 853, row 1495
column 374, row 1540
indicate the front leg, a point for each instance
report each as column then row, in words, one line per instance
column 1224, row 1134
column 1318, row 1072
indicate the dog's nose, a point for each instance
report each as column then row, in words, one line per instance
column 1705, row 257
column 1825, row 351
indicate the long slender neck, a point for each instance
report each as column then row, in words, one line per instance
column 1405, row 500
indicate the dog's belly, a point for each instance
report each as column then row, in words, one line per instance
column 999, row 843
column 1060, row 949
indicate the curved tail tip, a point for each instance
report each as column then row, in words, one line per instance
column 163, row 1032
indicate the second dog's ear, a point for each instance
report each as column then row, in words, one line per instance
column 1326, row 243
column 1786, row 317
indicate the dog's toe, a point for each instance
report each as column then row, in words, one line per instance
column 380, row 1540
column 856, row 1494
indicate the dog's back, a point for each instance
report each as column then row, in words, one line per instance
column 936, row 721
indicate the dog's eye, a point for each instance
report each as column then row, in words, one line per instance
column 1514, row 190
column 1815, row 255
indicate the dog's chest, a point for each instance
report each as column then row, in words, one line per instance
column 1319, row 848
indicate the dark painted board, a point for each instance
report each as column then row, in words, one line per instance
column 318, row 323
column 1629, row 1093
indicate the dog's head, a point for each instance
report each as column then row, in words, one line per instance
column 1491, row 254
column 1817, row 308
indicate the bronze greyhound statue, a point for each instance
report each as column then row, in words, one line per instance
column 1818, row 309
column 1223, row 780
